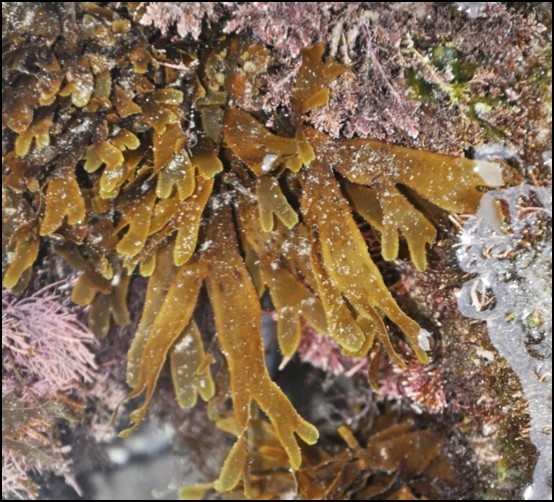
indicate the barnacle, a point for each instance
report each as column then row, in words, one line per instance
column 102, row 156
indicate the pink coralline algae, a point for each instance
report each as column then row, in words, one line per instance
column 44, row 343
column 286, row 26
column 186, row 16
column 47, row 363
column 324, row 353
column 421, row 385
column 372, row 91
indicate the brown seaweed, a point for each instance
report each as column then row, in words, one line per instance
column 395, row 460
column 104, row 166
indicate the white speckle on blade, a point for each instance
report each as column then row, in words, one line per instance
column 267, row 163
column 490, row 172
column 423, row 339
